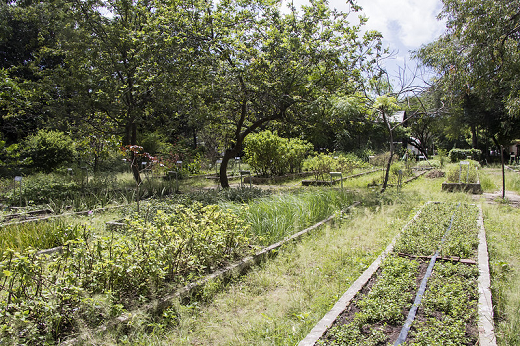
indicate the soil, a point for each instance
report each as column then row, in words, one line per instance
column 435, row 174
column 392, row 331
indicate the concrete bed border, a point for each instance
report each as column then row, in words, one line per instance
column 485, row 305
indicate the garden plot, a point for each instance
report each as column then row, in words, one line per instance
column 98, row 277
column 425, row 291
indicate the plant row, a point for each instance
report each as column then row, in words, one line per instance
column 423, row 237
column 383, row 305
column 43, row 299
column 447, row 314
column 448, row 308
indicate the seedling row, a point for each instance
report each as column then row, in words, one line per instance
column 447, row 313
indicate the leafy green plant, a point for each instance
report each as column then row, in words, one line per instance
column 268, row 154
column 456, row 155
column 467, row 174
column 423, row 237
column 42, row 295
column 46, row 150
column 384, row 304
column 450, row 304
column 322, row 164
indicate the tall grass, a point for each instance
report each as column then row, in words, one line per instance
column 503, row 237
column 38, row 235
column 275, row 217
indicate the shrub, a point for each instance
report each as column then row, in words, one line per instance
column 322, row 164
column 382, row 159
column 46, row 150
column 268, row 154
column 456, row 155
column 463, row 173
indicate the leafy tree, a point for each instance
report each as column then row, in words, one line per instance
column 271, row 67
column 384, row 107
column 128, row 62
column 28, row 41
column 480, row 71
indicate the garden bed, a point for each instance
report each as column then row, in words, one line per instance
column 335, row 181
column 374, row 311
column 473, row 188
column 275, row 180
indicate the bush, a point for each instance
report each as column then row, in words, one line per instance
column 456, row 155
column 322, row 164
column 382, row 159
column 268, row 154
column 47, row 150
column 463, row 174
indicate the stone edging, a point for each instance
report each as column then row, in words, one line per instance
column 486, row 329
column 323, row 325
column 485, row 305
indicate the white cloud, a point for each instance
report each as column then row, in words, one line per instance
column 406, row 23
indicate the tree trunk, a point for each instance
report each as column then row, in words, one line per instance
column 474, row 137
column 228, row 155
column 389, row 163
column 131, row 139
column 503, row 172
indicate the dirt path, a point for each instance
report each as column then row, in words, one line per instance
column 512, row 198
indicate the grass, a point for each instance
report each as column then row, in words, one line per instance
column 279, row 302
column 503, row 233
column 52, row 232
column 274, row 217
column 41, row 235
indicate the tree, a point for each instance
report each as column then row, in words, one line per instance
column 29, row 33
column 480, row 71
column 129, row 63
column 385, row 106
column 270, row 66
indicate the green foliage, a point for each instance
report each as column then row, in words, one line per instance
column 467, row 174
column 450, row 304
column 385, row 105
column 269, row 154
column 42, row 296
column 47, row 150
column 381, row 159
column 456, row 155
column 423, row 236
column 442, row 156
column 322, row 164
column 38, row 235
column 277, row 216
column 392, row 293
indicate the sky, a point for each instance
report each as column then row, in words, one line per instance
column 405, row 25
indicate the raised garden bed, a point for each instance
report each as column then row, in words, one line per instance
column 463, row 178
column 473, row 188
column 381, row 308
column 334, row 181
